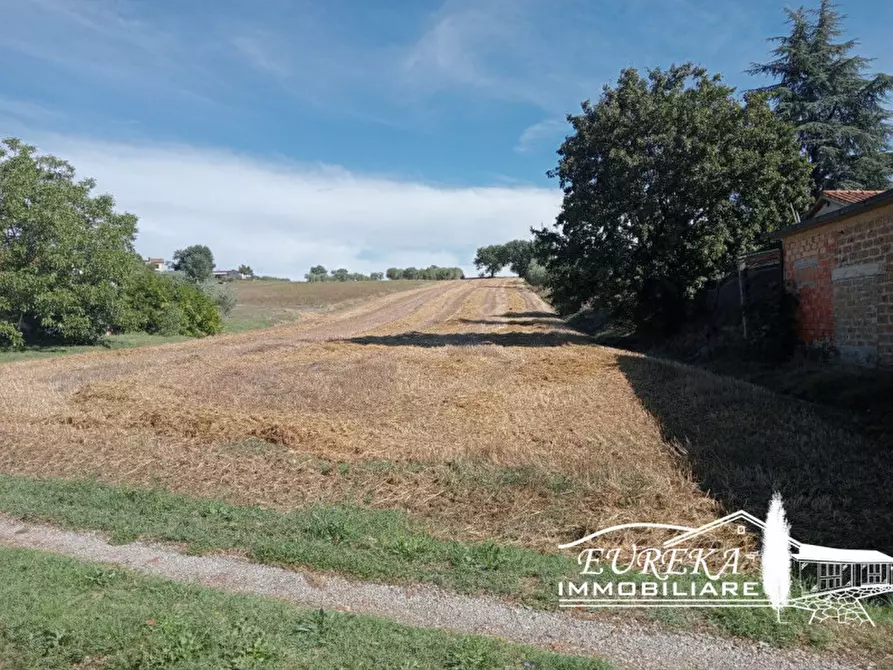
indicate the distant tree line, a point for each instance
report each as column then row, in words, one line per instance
column 432, row 272
column 319, row 273
column 519, row 255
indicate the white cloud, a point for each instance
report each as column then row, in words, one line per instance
column 549, row 130
column 281, row 218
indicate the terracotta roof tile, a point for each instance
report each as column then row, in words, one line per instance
column 850, row 197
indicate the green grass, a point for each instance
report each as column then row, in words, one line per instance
column 238, row 324
column 125, row 341
column 61, row 613
column 380, row 545
column 377, row 545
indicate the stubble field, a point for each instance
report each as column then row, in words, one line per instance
column 466, row 404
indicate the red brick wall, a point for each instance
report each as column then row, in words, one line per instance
column 843, row 276
column 808, row 261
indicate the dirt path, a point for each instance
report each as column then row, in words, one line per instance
column 424, row 606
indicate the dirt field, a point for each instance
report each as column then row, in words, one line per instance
column 467, row 404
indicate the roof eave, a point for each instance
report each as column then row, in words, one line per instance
column 856, row 208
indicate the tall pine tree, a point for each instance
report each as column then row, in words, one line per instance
column 824, row 91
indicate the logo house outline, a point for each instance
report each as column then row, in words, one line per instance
column 842, row 578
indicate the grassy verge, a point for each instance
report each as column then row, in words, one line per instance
column 376, row 545
column 61, row 613
column 125, row 341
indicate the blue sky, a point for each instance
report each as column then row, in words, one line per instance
column 347, row 132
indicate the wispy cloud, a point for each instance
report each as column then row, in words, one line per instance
column 489, row 46
column 281, row 218
column 546, row 131
column 255, row 48
column 475, row 50
column 25, row 111
column 115, row 42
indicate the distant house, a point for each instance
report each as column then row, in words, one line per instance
column 156, row 264
column 227, row 274
column 839, row 263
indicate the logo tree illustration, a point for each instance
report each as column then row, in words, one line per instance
column 775, row 558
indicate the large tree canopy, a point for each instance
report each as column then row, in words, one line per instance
column 196, row 262
column 517, row 254
column 491, row 259
column 838, row 111
column 64, row 253
column 667, row 179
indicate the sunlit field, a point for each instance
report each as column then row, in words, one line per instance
column 466, row 404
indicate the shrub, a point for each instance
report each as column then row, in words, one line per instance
column 223, row 295
column 170, row 305
column 200, row 314
column 536, row 274
column 10, row 337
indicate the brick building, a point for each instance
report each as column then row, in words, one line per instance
column 839, row 262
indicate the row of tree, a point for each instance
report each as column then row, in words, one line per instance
column 520, row 256
column 517, row 254
column 670, row 176
column 319, row 273
column 432, row 272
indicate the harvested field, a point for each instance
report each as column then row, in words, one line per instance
column 467, row 404
column 266, row 303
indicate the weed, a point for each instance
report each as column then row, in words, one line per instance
column 49, row 640
column 318, row 626
column 470, row 655
column 101, row 577
column 411, row 548
column 331, row 524
column 245, row 646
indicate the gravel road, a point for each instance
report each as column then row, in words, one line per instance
column 625, row 645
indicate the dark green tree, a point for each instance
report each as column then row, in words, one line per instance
column 246, row 270
column 838, row 110
column 317, row 273
column 519, row 254
column 666, row 180
column 491, row 259
column 432, row 272
column 65, row 254
column 196, row 262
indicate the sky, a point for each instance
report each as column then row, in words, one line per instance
column 348, row 133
